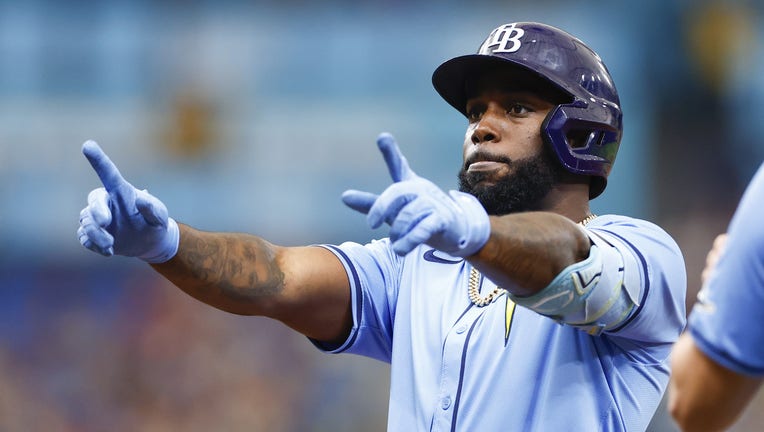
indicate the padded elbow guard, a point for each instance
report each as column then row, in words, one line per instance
column 583, row 295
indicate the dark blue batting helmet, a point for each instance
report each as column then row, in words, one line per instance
column 593, row 116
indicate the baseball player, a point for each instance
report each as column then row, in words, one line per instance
column 506, row 305
column 719, row 361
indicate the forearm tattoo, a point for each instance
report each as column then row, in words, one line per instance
column 226, row 268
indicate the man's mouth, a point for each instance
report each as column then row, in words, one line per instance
column 485, row 166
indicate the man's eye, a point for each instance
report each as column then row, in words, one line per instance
column 473, row 115
column 518, row 109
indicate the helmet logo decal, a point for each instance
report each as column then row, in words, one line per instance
column 506, row 39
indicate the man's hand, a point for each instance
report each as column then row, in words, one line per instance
column 120, row 219
column 420, row 212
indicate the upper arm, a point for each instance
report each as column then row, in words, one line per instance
column 704, row 395
column 653, row 274
column 315, row 300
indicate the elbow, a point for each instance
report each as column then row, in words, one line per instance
column 703, row 395
column 684, row 408
column 692, row 415
column 680, row 412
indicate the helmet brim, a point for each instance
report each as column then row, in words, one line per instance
column 451, row 78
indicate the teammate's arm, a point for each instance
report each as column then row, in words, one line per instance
column 304, row 287
column 703, row 395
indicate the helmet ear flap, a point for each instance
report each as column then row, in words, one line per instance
column 585, row 141
column 583, row 138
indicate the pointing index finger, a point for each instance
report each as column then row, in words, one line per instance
column 397, row 164
column 103, row 166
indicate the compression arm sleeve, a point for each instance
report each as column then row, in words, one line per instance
column 590, row 294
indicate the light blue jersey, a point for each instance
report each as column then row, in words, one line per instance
column 726, row 322
column 459, row 367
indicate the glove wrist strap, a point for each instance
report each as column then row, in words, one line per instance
column 167, row 248
column 479, row 225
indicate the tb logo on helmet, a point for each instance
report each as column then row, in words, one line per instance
column 501, row 38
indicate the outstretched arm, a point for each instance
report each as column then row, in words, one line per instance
column 523, row 252
column 543, row 259
column 306, row 287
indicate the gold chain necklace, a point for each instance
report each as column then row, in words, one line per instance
column 475, row 280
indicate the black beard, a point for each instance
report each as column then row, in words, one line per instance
column 529, row 182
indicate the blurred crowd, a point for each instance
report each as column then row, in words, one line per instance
column 145, row 358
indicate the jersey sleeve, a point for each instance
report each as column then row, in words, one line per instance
column 373, row 272
column 725, row 322
column 654, row 275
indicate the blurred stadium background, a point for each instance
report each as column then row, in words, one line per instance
column 255, row 116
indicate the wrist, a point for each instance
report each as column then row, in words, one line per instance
column 167, row 247
column 476, row 222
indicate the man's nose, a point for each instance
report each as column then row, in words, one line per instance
column 487, row 129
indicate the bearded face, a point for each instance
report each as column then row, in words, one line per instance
column 527, row 183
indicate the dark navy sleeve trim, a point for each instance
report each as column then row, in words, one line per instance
column 355, row 285
column 723, row 358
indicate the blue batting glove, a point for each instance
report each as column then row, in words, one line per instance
column 420, row 212
column 122, row 220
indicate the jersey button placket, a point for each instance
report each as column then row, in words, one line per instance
column 453, row 348
column 445, row 402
